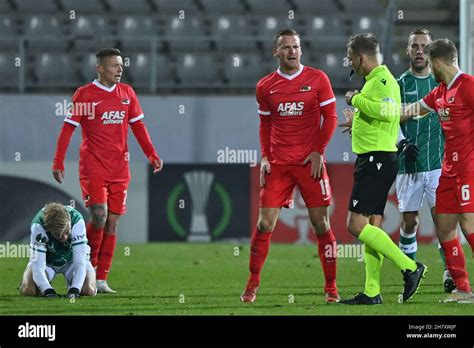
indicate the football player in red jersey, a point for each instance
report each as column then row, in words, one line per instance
column 291, row 103
column 453, row 100
column 104, row 109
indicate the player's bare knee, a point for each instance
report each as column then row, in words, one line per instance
column 265, row 225
column 409, row 227
column 321, row 226
column 99, row 216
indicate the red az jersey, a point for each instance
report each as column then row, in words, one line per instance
column 104, row 115
column 291, row 104
column 454, row 104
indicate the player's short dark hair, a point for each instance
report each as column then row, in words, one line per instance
column 284, row 32
column 443, row 49
column 107, row 52
column 420, row 31
column 364, row 43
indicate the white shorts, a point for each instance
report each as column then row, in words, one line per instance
column 67, row 270
column 413, row 188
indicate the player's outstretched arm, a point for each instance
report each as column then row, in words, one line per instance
column 412, row 110
column 143, row 137
column 61, row 148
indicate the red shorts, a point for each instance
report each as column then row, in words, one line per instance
column 280, row 183
column 455, row 195
column 98, row 191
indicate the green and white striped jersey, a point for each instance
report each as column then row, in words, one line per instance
column 425, row 132
column 57, row 253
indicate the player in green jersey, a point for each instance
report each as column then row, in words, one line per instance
column 422, row 149
column 375, row 127
column 58, row 245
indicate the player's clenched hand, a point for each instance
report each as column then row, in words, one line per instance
column 348, row 113
column 317, row 164
column 59, row 175
column 264, row 170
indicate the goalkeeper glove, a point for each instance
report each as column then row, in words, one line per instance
column 73, row 293
column 408, row 149
column 50, row 293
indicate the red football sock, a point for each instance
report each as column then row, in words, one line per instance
column 94, row 237
column 105, row 257
column 456, row 264
column 470, row 240
column 259, row 245
column 327, row 250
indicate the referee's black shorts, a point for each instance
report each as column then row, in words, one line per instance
column 374, row 174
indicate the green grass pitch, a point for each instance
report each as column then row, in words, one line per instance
column 207, row 279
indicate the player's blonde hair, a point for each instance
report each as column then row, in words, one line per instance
column 56, row 218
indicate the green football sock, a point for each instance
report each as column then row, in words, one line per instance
column 408, row 244
column 378, row 240
column 373, row 266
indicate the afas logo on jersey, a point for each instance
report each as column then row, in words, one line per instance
column 113, row 117
column 444, row 114
column 291, row 109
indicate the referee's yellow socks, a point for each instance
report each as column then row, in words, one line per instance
column 373, row 265
column 378, row 240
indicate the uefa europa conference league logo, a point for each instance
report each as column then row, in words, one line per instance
column 199, row 185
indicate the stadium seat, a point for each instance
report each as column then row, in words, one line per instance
column 332, row 63
column 87, row 68
column 277, row 7
column 136, row 32
column 268, row 26
column 243, row 69
column 127, row 6
column 142, row 67
column 363, row 7
column 4, row 7
column 83, row 7
column 8, row 30
column 34, row 6
column 325, row 29
column 173, row 7
column 84, row 30
column 56, row 70
column 42, row 32
column 196, row 69
column 223, row 7
column 311, row 6
column 232, row 32
column 8, row 71
column 89, row 26
column 372, row 24
column 185, row 34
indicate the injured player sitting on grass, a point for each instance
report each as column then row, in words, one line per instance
column 58, row 245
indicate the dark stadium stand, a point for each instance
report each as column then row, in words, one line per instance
column 195, row 41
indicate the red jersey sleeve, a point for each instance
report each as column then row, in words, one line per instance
column 265, row 122
column 468, row 91
column 136, row 112
column 428, row 102
column 327, row 106
column 78, row 110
